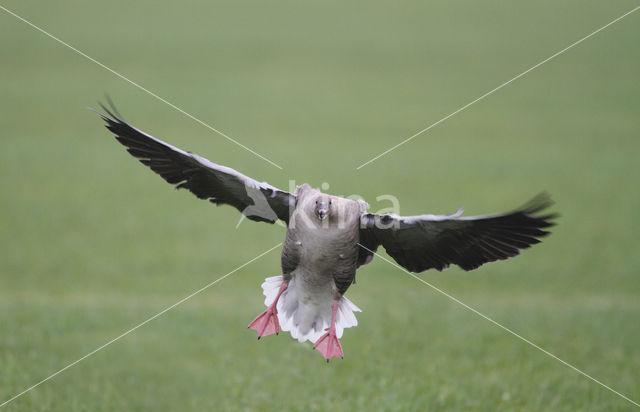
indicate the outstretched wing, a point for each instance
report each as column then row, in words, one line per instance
column 423, row 242
column 205, row 179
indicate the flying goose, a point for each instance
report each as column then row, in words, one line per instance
column 329, row 237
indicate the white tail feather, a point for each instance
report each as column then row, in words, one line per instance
column 307, row 319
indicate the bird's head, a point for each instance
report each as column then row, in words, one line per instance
column 323, row 206
column 318, row 209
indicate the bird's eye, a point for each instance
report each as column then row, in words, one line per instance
column 330, row 201
column 316, row 202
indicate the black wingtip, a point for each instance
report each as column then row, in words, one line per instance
column 539, row 202
column 113, row 107
column 112, row 115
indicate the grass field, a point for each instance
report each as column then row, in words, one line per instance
column 92, row 244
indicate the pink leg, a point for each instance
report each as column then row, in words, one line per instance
column 267, row 323
column 328, row 344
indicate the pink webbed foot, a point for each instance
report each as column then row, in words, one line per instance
column 328, row 344
column 267, row 323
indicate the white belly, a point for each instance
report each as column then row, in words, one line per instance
column 304, row 310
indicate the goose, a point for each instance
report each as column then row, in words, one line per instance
column 329, row 237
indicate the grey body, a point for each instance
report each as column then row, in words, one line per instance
column 322, row 253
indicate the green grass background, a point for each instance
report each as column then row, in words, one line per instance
column 91, row 243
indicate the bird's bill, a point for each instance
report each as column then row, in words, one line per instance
column 322, row 210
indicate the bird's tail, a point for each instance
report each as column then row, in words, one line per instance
column 307, row 319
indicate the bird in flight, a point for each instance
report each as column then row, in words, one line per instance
column 329, row 237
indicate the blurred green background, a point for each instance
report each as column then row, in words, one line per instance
column 92, row 243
